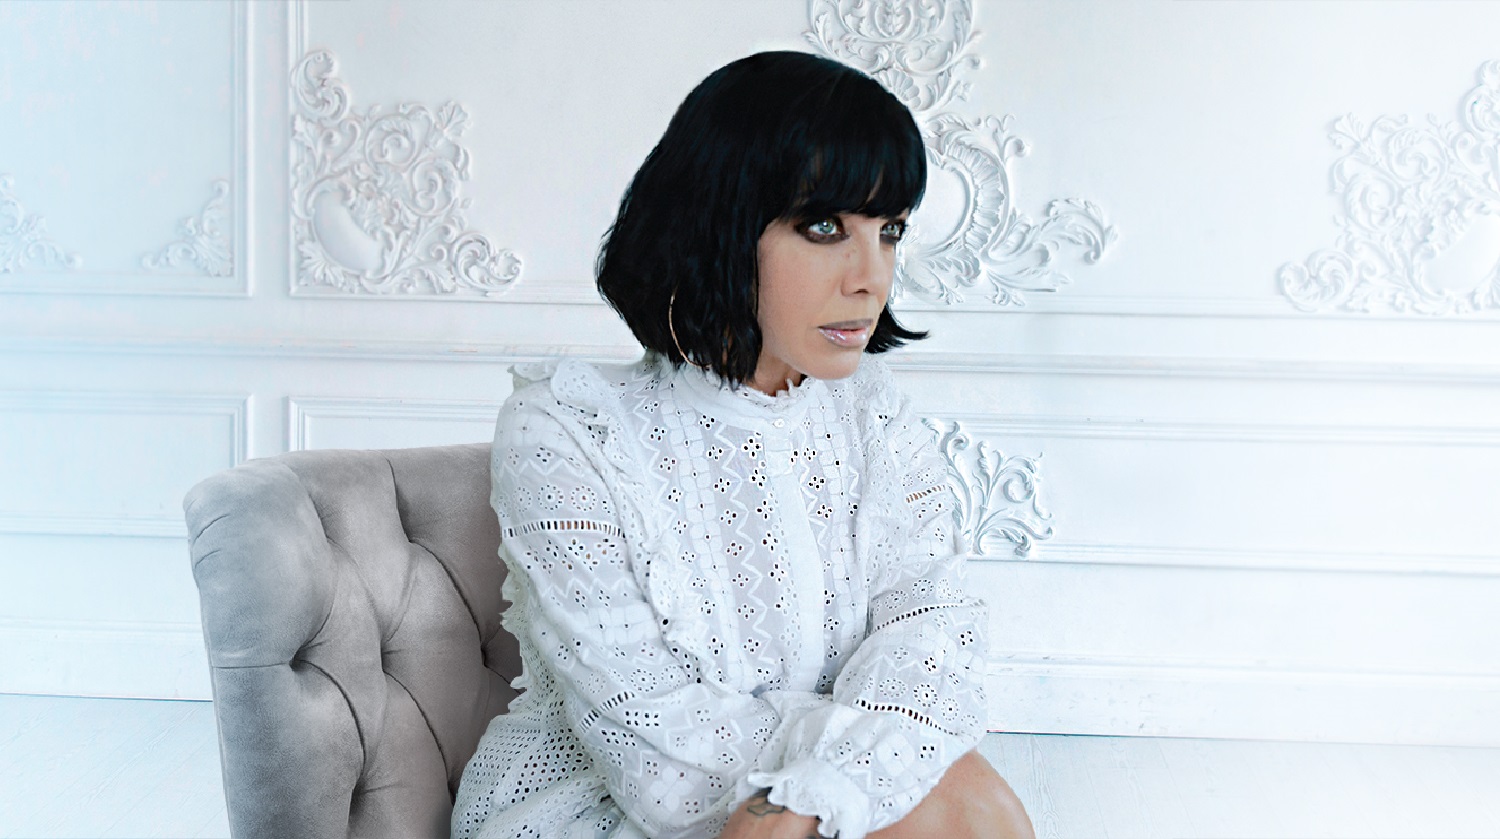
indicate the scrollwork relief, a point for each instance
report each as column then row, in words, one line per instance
column 994, row 248
column 377, row 196
column 917, row 48
column 24, row 244
column 204, row 243
column 998, row 503
column 1420, row 210
column 913, row 47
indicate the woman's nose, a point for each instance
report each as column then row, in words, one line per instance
column 871, row 262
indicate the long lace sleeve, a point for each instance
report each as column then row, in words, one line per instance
column 672, row 747
column 910, row 701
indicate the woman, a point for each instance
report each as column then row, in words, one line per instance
column 731, row 563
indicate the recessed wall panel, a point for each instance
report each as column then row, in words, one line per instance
column 387, row 423
column 110, row 463
column 123, row 164
column 1259, row 653
column 1268, row 488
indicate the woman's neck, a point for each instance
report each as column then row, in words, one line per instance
column 775, row 383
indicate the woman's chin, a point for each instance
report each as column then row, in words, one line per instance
column 838, row 368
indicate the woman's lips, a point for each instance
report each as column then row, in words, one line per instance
column 848, row 333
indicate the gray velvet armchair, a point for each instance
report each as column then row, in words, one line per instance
column 351, row 607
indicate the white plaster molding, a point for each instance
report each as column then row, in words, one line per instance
column 1113, row 696
column 1420, row 210
column 997, row 495
column 301, row 411
column 909, row 361
column 63, row 524
column 917, row 48
column 233, row 407
column 1181, row 367
column 1423, row 564
column 251, row 346
column 24, row 245
column 913, row 47
column 63, row 657
column 1219, row 431
column 1246, row 669
column 1263, row 308
column 204, row 245
column 233, row 221
column 994, row 248
column 377, row 204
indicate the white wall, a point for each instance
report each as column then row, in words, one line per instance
column 1258, row 499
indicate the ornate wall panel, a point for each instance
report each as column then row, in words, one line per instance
column 377, row 197
column 1420, row 210
column 919, row 50
column 24, row 243
column 122, row 63
column 1356, row 497
column 999, row 504
column 205, row 244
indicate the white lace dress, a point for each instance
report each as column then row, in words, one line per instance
column 718, row 591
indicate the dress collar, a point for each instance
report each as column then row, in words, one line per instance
column 706, row 391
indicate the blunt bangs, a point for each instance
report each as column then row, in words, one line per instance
column 862, row 154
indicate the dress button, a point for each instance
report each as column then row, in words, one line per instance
column 778, row 422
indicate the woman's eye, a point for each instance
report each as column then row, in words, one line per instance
column 893, row 230
column 824, row 228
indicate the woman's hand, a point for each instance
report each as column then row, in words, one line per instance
column 758, row 818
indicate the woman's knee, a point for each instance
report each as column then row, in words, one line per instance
column 984, row 802
column 971, row 801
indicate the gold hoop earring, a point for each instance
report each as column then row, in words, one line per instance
column 672, row 328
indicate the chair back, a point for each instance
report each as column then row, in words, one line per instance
column 351, row 608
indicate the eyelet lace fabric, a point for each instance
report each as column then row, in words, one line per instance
column 716, row 591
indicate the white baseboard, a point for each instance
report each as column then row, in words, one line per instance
column 86, row 658
column 1161, row 699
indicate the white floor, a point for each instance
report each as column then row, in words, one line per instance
column 137, row 768
column 109, row 767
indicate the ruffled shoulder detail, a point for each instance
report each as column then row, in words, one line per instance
column 576, row 391
column 591, row 402
column 530, row 372
column 899, row 453
column 581, row 383
column 588, row 387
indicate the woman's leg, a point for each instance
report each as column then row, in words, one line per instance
column 971, row 801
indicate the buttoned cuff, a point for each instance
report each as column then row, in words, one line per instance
column 812, row 787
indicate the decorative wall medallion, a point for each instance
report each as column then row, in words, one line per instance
column 376, row 196
column 1420, row 212
column 997, row 495
column 913, row 47
column 204, row 243
column 916, row 48
column 24, row 245
column 994, row 247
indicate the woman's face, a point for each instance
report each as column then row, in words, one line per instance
column 823, row 284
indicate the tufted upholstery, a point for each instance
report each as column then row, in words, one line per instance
column 351, row 607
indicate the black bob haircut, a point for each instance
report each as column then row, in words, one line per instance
column 777, row 136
